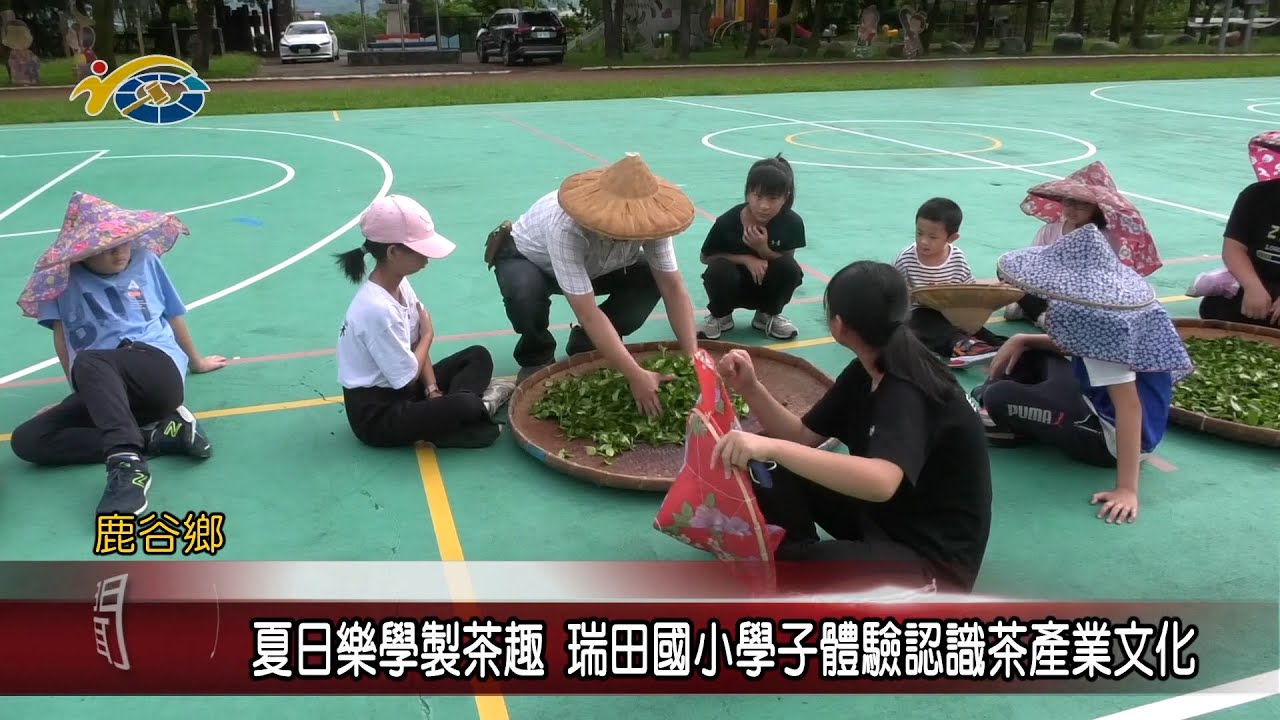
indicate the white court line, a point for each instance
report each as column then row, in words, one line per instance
column 289, row 174
column 387, row 177
column 1203, row 702
column 14, row 208
column 973, row 158
column 1254, row 108
column 48, row 154
column 1095, row 91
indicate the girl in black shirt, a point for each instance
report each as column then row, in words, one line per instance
column 911, row 503
column 749, row 253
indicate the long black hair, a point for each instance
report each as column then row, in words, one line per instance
column 352, row 261
column 773, row 177
column 872, row 299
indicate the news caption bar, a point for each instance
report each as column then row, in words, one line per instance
column 670, row 628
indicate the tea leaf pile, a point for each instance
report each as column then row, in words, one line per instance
column 1235, row 380
column 598, row 406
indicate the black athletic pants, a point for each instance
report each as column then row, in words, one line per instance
column 527, row 291
column 114, row 392
column 936, row 332
column 1042, row 401
column 383, row 417
column 1230, row 309
column 730, row 286
column 1033, row 306
column 860, row 557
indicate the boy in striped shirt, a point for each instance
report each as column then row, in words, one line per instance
column 935, row 259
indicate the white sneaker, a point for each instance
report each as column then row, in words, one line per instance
column 775, row 326
column 713, row 326
column 497, row 395
column 1013, row 311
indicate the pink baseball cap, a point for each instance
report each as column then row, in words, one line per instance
column 398, row 220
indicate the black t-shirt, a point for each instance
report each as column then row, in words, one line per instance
column 1255, row 221
column 942, row 509
column 785, row 232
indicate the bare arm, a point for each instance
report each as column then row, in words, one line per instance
column 871, row 479
column 183, row 335
column 1128, row 434
column 1235, row 255
column 602, row 334
column 60, row 346
column 731, row 257
column 777, row 421
column 675, row 298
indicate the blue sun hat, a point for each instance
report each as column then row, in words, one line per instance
column 1099, row 308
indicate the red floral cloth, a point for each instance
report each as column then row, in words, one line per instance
column 1264, row 154
column 705, row 508
column 1126, row 230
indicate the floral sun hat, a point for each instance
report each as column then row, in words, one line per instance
column 1264, row 154
column 1127, row 231
column 1099, row 307
column 91, row 226
column 706, row 509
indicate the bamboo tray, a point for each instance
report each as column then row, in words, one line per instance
column 796, row 383
column 1195, row 328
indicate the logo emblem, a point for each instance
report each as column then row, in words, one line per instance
column 145, row 90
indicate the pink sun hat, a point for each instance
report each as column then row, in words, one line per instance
column 399, row 220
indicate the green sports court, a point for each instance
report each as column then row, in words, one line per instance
column 270, row 198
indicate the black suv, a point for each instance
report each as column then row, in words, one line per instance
column 514, row 34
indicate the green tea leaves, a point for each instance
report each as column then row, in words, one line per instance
column 598, row 406
column 1235, row 380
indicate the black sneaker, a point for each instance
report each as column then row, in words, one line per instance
column 128, row 481
column 180, row 434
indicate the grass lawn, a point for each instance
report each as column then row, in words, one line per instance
column 231, row 65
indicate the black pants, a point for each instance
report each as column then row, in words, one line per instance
column 1231, row 309
column 383, row 417
column 730, row 286
column 527, row 291
column 114, row 392
column 1042, row 401
column 936, row 332
column 860, row 557
column 1033, row 306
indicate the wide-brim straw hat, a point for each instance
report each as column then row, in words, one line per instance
column 1264, row 155
column 626, row 202
column 91, row 226
column 968, row 306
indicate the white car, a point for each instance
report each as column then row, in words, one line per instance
column 308, row 40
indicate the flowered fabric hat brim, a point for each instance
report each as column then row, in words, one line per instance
column 1130, row 238
column 1142, row 340
column 91, row 226
column 1080, row 268
column 1264, row 155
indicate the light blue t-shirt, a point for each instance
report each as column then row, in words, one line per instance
column 98, row 312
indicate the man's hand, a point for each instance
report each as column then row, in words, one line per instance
column 1119, row 506
column 1257, row 303
column 644, row 388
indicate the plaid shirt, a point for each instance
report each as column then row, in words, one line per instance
column 550, row 239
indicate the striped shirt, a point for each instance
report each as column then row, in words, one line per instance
column 573, row 255
column 955, row 269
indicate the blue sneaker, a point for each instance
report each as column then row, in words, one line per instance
column 128, row 481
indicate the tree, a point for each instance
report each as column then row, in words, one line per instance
column 1029, row 31
column 1139, row 28
column 685, row 33
column 1117, row 13
column 614, row 18
column 104, row 31
column 204, row 35
column 1077, row 16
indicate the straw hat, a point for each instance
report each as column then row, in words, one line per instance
column 626, row 202
column 968, row 306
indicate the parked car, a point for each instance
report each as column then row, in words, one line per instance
column 522, row 35
column 308, row 40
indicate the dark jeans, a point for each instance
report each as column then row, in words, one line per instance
column 383, row 417
column 527, row 291
column 860, row 557
column 114, row 392
column 730, row 286
column 1042, row 401
column 936, row 332
column 1230, row 309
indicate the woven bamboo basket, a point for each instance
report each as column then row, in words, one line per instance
column 968, row 306
column 1196, row 328
column 796, row 383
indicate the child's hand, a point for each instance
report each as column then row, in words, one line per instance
column 757, row 266
column 756, row 237
column 1256, row 304
column 208, row 363
column 1006, row 357
column 1120, row 505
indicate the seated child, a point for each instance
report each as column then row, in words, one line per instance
column 1247, row 290
column 935, row 259
column 394, row 394
column 1098, row 386
column 750, row 254
column 1088, row 195
column 119, row 332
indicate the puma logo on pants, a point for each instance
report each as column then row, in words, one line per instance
column 1033, row 414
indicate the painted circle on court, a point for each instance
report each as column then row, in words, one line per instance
column 1273, row 103
column 1089, row 150
column 995, row 144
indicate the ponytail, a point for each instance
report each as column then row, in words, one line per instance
column 352, row 261
column 906, row 358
